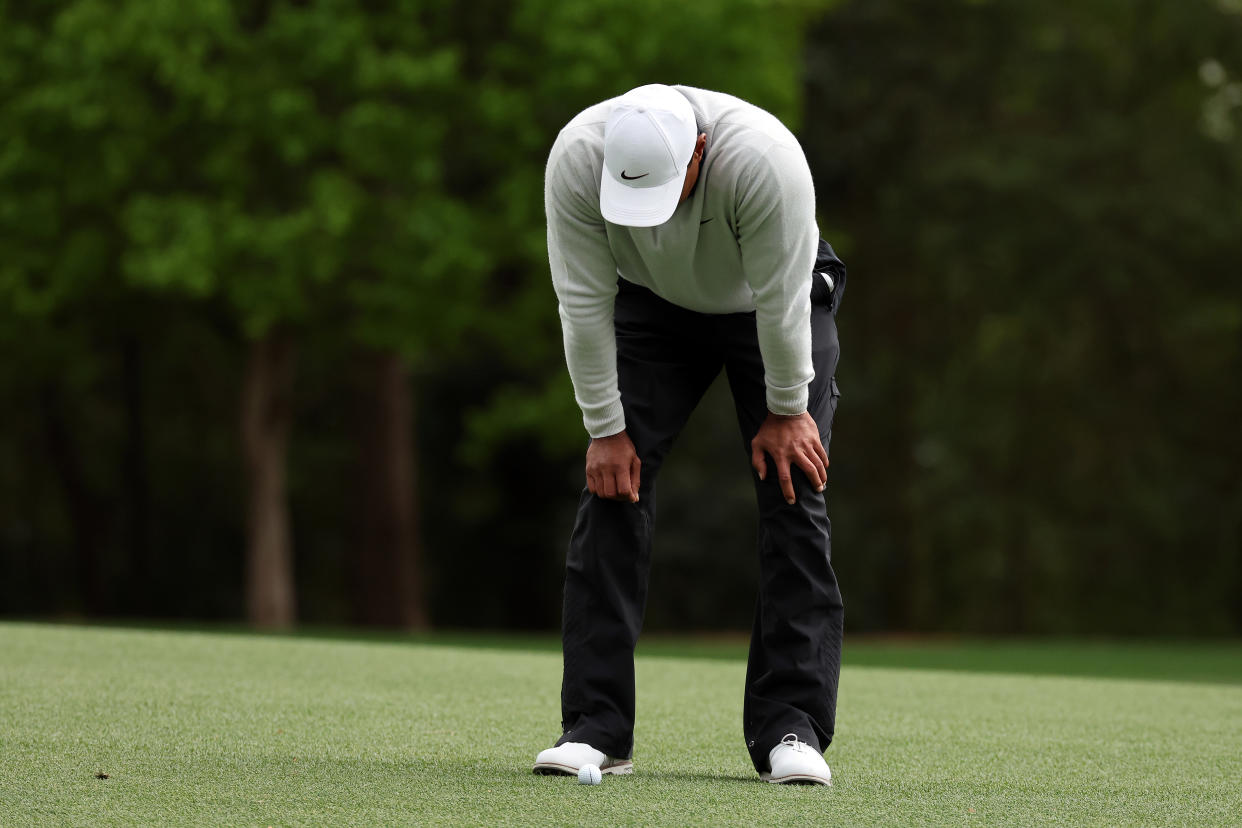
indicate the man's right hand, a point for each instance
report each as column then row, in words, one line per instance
column 613, row 470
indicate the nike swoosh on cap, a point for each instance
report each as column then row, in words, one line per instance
column 633, row 177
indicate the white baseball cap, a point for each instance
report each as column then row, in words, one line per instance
column 648, row 142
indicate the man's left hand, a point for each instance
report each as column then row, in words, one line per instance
column 790, row 439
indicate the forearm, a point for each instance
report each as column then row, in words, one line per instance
column 591, row 355
column 783, row 320
column 785, row 344
column 584, row 276
column 778, row 252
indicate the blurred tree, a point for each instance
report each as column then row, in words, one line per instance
column 1046, row 323
column 281, row 160
column 1038, row 204
column 57, row 283
column 416, row 272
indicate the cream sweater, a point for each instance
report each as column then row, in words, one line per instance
column 745, row 240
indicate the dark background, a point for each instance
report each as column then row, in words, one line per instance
column 278, row 340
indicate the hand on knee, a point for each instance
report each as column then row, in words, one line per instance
column 790, row 441
column 613, row 470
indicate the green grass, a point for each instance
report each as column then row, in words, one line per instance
column 1169, row 659
column 230, row 729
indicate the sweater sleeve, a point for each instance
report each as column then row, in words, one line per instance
column 777, row 236
column 584, row 275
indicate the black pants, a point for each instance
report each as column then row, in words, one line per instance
column 667, row 357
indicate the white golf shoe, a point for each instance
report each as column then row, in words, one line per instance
column 566, row 759
column 797, row 763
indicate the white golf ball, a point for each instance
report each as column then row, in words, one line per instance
column 589, row 775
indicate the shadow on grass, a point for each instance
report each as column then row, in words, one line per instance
column 641, row 776
column 509, row 773
column 1185, row 660
column 706, row 778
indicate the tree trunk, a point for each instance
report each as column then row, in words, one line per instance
column 85, row 511
column 266, row 412
column 387, row 560
column 139, row 586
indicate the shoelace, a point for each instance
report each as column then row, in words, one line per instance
column 791, row 739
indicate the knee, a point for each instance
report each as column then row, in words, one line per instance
column 808, row 503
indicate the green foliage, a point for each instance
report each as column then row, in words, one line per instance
column 1043, row 330
column 263, row 154
column 177, row 177
column 1038, row 203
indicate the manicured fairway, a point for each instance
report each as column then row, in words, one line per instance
column 204, row 728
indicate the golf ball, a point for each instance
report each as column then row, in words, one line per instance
column 589, row 775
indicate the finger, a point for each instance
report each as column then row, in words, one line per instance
column 622, row 478
column 814, row 471
column 608, row 484
column 756, row 460
column 636, row 476
column 823, row 456
column 786, row 478
column 592, row 483
column 817, row 474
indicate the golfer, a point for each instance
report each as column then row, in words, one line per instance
column 682, row 240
